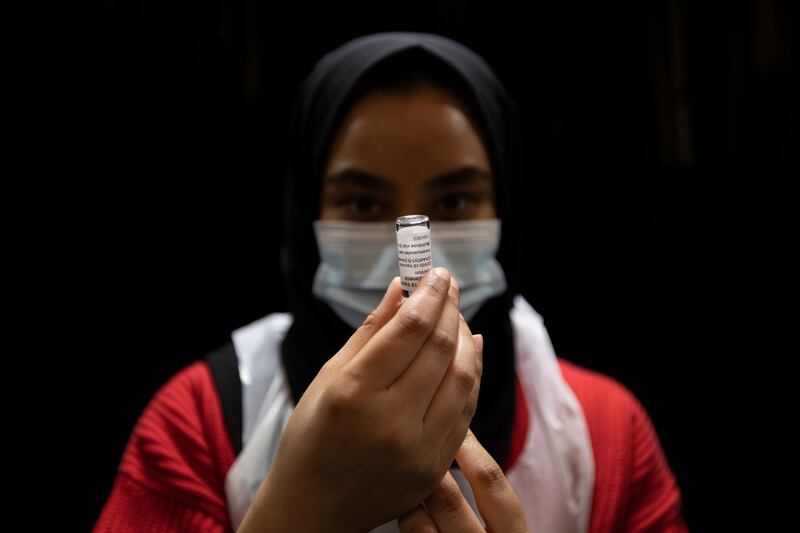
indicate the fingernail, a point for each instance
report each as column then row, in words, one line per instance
column 455, row 292
column 440, row 279
column 389, row 288
column 478, row 340
column 470, row 436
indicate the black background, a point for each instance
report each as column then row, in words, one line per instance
column 643, row 120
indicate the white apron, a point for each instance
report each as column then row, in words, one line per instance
column 553, row 477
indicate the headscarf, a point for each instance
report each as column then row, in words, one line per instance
column 317, row 333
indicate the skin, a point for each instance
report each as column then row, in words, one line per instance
column 399, row 154
column 374, row 435
column 447, row 511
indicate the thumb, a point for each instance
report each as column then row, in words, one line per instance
column 496, row 499
column 374, row 322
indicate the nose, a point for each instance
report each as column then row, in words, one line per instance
column 409, row 202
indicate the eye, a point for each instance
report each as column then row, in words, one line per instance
column 455, row 205
column 360, row 207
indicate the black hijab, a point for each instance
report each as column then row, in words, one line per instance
column 317, row 333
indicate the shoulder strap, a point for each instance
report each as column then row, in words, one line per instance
column 225, row 370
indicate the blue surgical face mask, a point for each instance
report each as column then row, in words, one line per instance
column 359, row 259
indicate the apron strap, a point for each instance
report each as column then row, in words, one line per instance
column 224, row 367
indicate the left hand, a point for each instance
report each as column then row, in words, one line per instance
column 446, row 510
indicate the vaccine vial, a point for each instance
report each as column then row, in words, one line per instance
column 413, row 250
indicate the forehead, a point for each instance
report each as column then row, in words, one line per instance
column 407, row 135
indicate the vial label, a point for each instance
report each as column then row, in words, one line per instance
column 414, row 255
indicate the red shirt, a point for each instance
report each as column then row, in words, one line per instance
column 172, row 474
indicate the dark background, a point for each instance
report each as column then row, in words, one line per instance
column 643, row 121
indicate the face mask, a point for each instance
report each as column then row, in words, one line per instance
column 359, row 259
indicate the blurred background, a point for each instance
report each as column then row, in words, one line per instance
column 642, row 120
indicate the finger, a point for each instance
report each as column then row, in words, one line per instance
column 449, row 402
column 417, row 521
column 449, row 509
column 496, row 499
column 389, row 352
column 459, row 431
column 418, row 384
column 378, row 318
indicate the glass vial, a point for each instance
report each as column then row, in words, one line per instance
column 413, row 250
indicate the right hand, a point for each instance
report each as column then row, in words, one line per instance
column 379, row 426
column 447, row 511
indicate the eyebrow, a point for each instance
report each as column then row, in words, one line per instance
column 352, row 176
column 462, row 176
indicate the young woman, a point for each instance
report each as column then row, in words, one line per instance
column 347, row 413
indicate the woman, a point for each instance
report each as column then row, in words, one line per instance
column 303, row 424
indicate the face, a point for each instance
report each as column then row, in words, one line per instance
column 407, row 153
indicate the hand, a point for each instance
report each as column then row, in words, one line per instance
column 446, row 510
column 380, row 424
